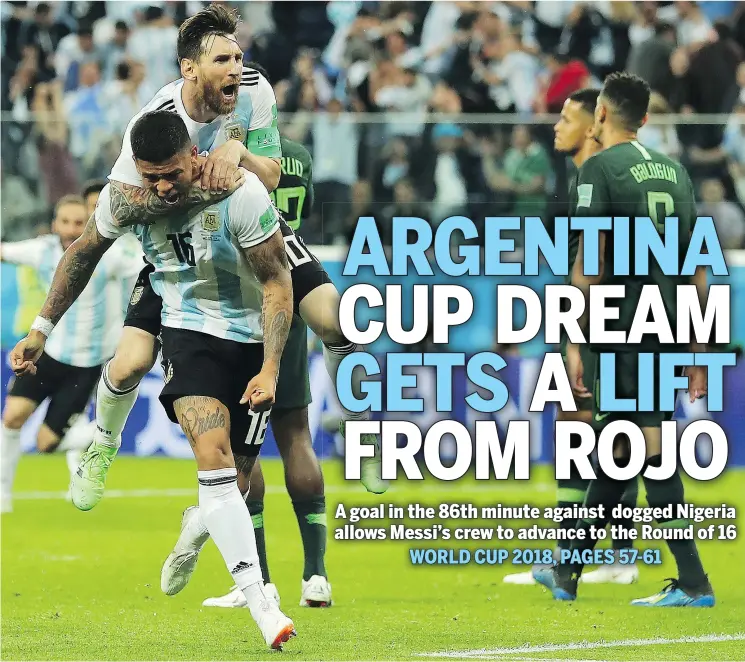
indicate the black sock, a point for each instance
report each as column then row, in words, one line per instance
column 661, row 493
column 256, row 509
column 628, row 500
column 311, row 518
column 603, row 491
column 571, row 492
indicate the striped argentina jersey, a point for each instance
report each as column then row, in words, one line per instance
column 88, row 333
column 253, row 122
column 201, row 271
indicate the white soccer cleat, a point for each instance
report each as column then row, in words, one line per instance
column 316, row 592
column 235, row 597
column 523, row 578
column 274, row 625
column 180, row 564
column 89, row 481
column 613, row 573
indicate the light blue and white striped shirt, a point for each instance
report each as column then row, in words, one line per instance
column 88, row 333
column 201, row 271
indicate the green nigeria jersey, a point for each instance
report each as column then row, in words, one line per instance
column 294, row 193
column 633, row 181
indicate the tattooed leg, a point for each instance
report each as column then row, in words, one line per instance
column 206, row 424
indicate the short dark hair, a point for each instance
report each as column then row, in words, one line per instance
column 93, row 186
column 121, row 25
column 85, row 30
column 158, row 136
column 212, row 20
column 70, row 199
column 587, row 97
column 629, row 96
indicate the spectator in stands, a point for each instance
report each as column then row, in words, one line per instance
column 406, row 202
column 693, row 28
column 307, row 73
column 728, row 217
column 123, row 97
column 734, row 146
column 511, row 73
column 335, row 147
column 45, row 34
column 650, row 59
column 74, row 51
column 91, row 138
column 662, row 137
column 451, row 190
column 524, row 176
column 395, row 165
column 403, row 90
column 154, row 42
column 115, row 51
column 565, row 77
column 57, row 169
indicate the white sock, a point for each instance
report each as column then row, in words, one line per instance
column 78, row 437
column 10, row 453
column 112, row 409
column 226, row 517
column 332, row 357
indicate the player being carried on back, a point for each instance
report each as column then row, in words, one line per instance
column 223, row 105
column 628, row 180
column 225, row 284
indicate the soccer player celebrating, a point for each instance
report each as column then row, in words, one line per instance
column 230, row 111
column 607, row 187
column 226, row 290
column 71, row 365
column 574, row 136
column 289, row 419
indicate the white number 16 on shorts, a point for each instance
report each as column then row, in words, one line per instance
column 257, row 427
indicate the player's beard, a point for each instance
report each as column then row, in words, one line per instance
column 215, row 101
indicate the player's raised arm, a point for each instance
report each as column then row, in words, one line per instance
column 72, row 275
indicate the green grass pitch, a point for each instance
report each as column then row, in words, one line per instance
column 85, row 586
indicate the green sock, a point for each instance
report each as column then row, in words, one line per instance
column 311, row 518
column 570, row 492
column 256, row 509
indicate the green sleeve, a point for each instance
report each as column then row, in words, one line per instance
column 593, row 198
column 309, row 196
column 264, row 142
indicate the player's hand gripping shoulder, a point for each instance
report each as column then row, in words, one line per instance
column 134, row 205
column 70, row 278
column 269, row 262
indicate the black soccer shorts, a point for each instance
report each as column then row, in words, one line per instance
column 197, row 364
column 306, row 271
column 69, row 389
column 145, row 305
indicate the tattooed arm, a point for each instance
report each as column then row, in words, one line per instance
column 269, row 262
column 134, row 205
column 72, row 275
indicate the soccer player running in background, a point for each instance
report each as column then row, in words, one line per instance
column 573, row 136
column 225, row 284
column 71, row 364
column 626, row 179
column 230, row 111
column 289, row 419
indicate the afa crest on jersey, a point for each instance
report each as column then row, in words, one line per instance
column 235, row 131
column 211, row 220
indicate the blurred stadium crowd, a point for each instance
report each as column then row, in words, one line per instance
column 74, row 73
